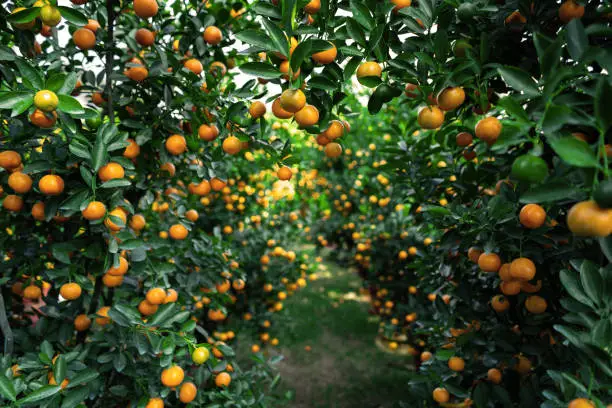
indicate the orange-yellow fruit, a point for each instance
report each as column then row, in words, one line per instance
column 94, row 211
column 532, row 216
column 178, row 232
column 103, row 319
column 587, row 219
column 43, row 120
column 488, row 129
column 144, row 37
column 118, row 213
column 155, row 403
column 369, row 69
column 111, row 171
column 176, row 144
column 326, row 56
column 51, row 185
column 13, row 203
column 570, row 10
column 208, row 132
column 333, row 150
column 212, row 35
column 20, row 183
column 70, row 291
column 307, row 116
column 456, row 364
column 451, row 98
column 430, row 117
column 284, row 173
column 232, row 145
column 441, row 395
column 292, row 100
column 188, row 392
column 121, row 269
column 522, row 269
column 156, row 296
column 145, row 8
column 489, row 262
column 223, row 380
column 257, row 109
column 494, row 375
column 278, row 110
column 536, row 304
column 32, row 292
column 194, row 66
column 84, row 38
column 10, row 160
column 172, row 376
column 82, row 322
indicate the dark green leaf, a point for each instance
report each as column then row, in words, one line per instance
column 40, row 394
column 261, row 70
column 24, row 16
column 591, row 281
column 83, row 377
column 114, row 183
column 279, row 39
column 8, row 100
column 520, row 80
column 59, row 368
column 603, row 104
column 574, row 151
column 70, row 105
column 256, row 38
column 74, row 16
column 577, row 40
column 362, row 15
column 6, row 388
column 30, row 73
column 574, row 288
column 163, row 314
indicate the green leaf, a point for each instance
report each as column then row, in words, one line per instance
column 279, row 39
column 83, row 377
column 73, row 398
column 115, row 183
column 31, row 74
column 321, row 82
column 356, row 32
column 606, row 246
column 79, row 150
column 131, row 244
column 514, row 109
column 301, row 52
column 441, row 45
column 40, row 394
column 591, row 280
column 59, row 368
column 69, row 84
column 24, row 16
column 8, row 100
column 267, row 9
column 550, row 192
column 7, row 54
column 163, row 313
column 520, row 80
column 574, row 288
column 574, row 151
column 577, row 40
column 261, row 70
column 22, row 106
column 362, row 14
column 179, row 317
column 603, row 104
column 7, row 389
column 70, row 105
column 55, row 82
column 256, row 38
column 602, row 332
column 72, row 15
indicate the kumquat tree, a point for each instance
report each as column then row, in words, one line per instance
column 181, row 180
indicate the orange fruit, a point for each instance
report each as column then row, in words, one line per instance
column 171, row 296
column 223, row 380
column 326, row 56
column 474, row 254
column 307, row 116
column 581, row 403
column 13, row 203
column 499, row 303
column 208, row 132
column 257, row 109
column 84, row 38
column 169, row 168
column 118, row 213
column 147, row 309
column 440, row 395
column 284, row 68
column 201, row 189
column 523, row 366
column 216, row 315
column 10, row 160
column 494, row 375
column 144, row 37
column 132, row 150
column 188, row 392
column 194, row 66
column 42, row 119
column 292, row 100
column 217, row 184
column 312, row 7
column 570, row 10
column 456, row 364
column 200, row 355
column 488, row 129
column 38, row 211
column 137, row 222
column 112, row 281
column 400, row 4
column 284, row 173
column 46, row 100
column 369, row 69
column 92, row 25
column 20, row 183
column 192, row 215
column 111, row 171
column 464, row 139
column 504, row 273
column 176, row 144
column 156, row 296
column 323, row 140
column 333, row 150
column 522, row 269
column 32, row 292
column 82, row 322
column 97, row 98
column 51, row 185
column 217, row 68
column 586, row 218
column 430, row 117
column 278, row 110
column 451, row 98
column 510, row 288
column 172, row 376
column 426, row 356
column 536, row 304
column 410, row 89
column 145, row 8
column 155, row 403
column 121, row 269
column 532, row 216
column 232, row 145
column 103, row 318
column 94, row 211
column 70, row 291
column 212, row 35
column 137, row 73
column 489, row 262
column 178, row 232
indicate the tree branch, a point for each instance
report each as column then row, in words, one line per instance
column 6, row 328
column 110, row 43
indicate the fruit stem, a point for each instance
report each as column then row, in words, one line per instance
column 110, row 11
column 6, row 328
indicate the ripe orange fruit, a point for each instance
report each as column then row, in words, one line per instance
column 570, row 10
column 464, row 139
column 145, row 37
column 536, row 304
column 208, row 132
column 121, row 269
column 118, row 213
column 426, row 356
column 20, row 183
column 217, row 68
column 451, row 98
column 112, row 281
column 92, row 25
column 145, row 8
column 523, row 366
column 176, row 144
column 431, row 117
column 586, row 218
column 32, row 292
column 257, row 109
column 278, row 111
column 188, row 392
column 440, row 395
column 456, row 364
column 38, row 211
column 369, row 69
column 132, row 151
column 172, row 376
column 51, row 185
column 103, row 319
column 147, row 309
column 171, row 296
column 111, row 171
column 522, row 269
column 156, row 296
column 178, row 232
column 212, row 35
column 216, row 315
column 581, row 403
column 510, row 288
column 46, row 100
column 82, row 322
column 284, row 68
column 84, row 38
column 499, row 303
column 333, row 150
column 70, row 291
column 13, row 203
column 489, row 262
column 138, row 222
column 312, row 7
column 494, row 375
column 292, row 100
column 192, row 215
column 284, row 173
column 155, row 403
column 10, row 160
column 223, row 380
column 232, row 145
column 532, row 216
column 307, row 116
column 400, row 4
column 488, row 129
column 504, row 273
column 137, row 73
column 43, row 120
column 326, row 56
column 217, row 184
column 94, row 211
column 97, row 98
column 194, row 66
column 201, row 189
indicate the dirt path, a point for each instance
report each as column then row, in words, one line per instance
column 330, row 359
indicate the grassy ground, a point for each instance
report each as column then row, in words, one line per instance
column 343, row 367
